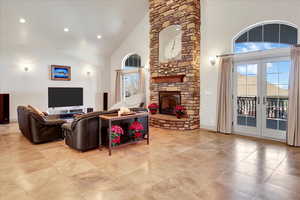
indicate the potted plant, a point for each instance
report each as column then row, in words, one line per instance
column 135, row 129
column 153, row 108
column 179, row 111
column 117, row 131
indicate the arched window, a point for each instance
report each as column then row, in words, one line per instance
column 266, row 36
column 131, row 78
column 133, row 62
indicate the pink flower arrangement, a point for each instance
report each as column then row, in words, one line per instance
column 116, row 140
column 136, row 128
column 138, row 135
column 179, row 111
column 117, row 131
column 153, row 108
column 179, row 108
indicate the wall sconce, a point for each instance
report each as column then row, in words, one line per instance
column 213, row 60
column 88, row 73
column 26, row 69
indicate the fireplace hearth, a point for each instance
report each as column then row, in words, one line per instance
column 168, row 101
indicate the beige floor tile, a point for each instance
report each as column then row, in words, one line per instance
column 176, row 165
column 273, row 192
column 71, row 167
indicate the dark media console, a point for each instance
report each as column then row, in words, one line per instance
column 76, row 111
column 69, row 114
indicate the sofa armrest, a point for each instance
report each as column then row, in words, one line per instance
column 54, row 122
column 46, row 120
column 46, row 114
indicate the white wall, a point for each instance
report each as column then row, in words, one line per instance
column 26, row 45
column 136, row 42
column 221, row 21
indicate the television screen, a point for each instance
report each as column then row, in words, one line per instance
column 65, row 97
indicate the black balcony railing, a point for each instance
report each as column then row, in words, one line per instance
column 277, row 107
column 246, row 106
column 276, row 112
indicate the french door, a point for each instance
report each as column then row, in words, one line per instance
column 261, row 97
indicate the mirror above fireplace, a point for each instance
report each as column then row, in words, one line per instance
column 170, row 44
column 168, row 100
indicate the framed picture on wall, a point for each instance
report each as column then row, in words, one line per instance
column 60, row 73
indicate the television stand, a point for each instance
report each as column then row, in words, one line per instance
column 66, row 114
column 70, row 115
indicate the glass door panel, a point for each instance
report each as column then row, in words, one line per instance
column 130, row 85
column 245, row 94
column 275, row 103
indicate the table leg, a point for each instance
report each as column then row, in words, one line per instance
column 109, row 135
column 100, row 134
column 148, row 134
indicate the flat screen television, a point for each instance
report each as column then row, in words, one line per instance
column 65, row 97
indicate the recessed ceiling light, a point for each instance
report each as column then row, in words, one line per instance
column 66, row 30
column 22, row 20
column 99, row 37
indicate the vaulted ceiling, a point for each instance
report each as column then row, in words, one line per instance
column 46, row 20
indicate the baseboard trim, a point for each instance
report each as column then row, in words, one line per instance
column 208, row 128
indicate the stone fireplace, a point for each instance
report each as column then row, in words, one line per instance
column 168, row 101
column 176, row 81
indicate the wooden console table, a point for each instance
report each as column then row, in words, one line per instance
column 114, row 117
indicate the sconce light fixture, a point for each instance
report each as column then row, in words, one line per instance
column 88, row 73
column 26, row 69
column 22, row 20
column 213, row 60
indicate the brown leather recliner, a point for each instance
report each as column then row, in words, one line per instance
column 83, row 133
column 38, row 129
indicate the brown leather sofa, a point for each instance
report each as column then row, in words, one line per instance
column 38, row 129
column 83, row 133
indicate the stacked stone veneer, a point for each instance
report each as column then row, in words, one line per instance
column 186, row 13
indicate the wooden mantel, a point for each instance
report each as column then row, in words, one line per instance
column 169, row 79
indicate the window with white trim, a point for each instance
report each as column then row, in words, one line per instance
column 131, row 76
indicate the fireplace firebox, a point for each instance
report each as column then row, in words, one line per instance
column 168, row 101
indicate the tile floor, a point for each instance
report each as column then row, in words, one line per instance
column 196, row 165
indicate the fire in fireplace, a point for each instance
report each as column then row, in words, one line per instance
column 168, row 101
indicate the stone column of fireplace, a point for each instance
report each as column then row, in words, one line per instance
column 186, row 13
